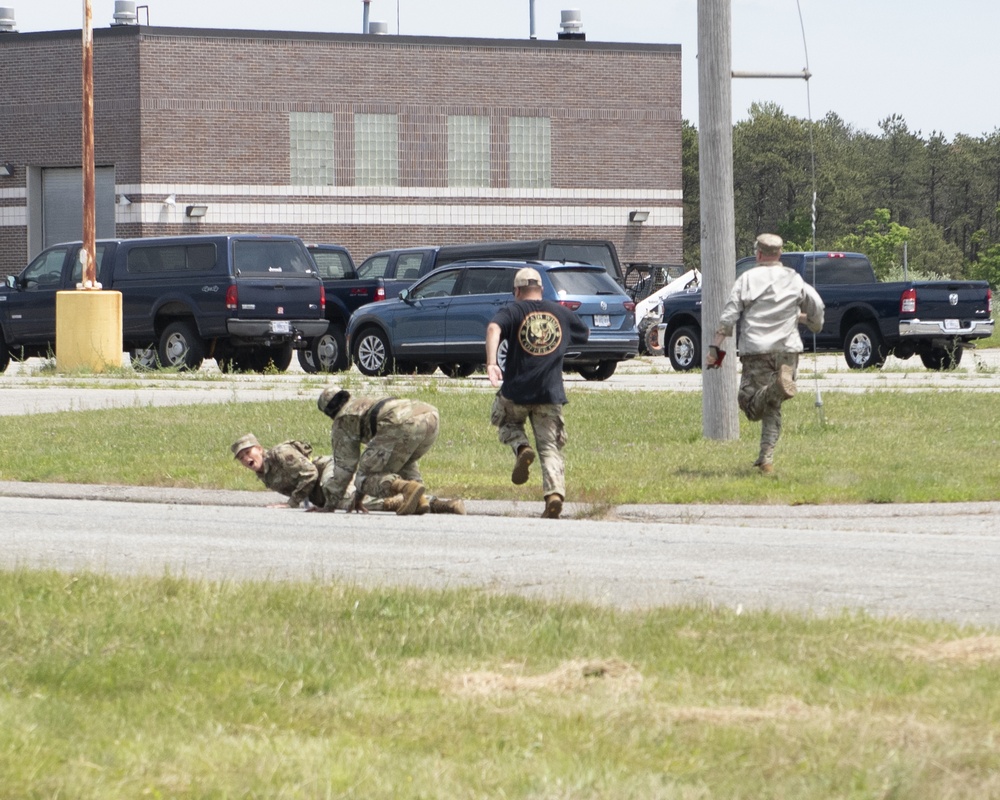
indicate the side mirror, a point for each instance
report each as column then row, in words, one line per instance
column 404, row 295
column 12, row 281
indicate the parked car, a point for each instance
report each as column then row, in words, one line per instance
column 401, row 267
column 440, row 322
column 345, row 292
column 247, row 300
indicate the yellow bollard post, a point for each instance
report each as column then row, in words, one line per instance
column 88, row 330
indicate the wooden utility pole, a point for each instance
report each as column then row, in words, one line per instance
column 89, row 193
column 720, row 415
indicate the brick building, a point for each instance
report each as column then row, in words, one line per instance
column 368, row 141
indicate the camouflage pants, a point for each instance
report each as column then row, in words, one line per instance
column 395, row 449
column 550, row 437
column 318, row 497
column 760, row 397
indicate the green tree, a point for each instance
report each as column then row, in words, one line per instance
column 692, row 195
column 881, row 240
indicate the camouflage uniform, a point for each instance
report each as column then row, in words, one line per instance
column 550, row 437
column 760, row 397
column 288, row 470
column 404, row 430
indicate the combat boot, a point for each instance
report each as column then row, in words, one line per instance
column 785, row 382
column 392, row 503
column 412, row 493
column 553, row 507
column 441, row 506
column 525, row 458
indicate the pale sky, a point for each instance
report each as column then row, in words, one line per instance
column 930, row 62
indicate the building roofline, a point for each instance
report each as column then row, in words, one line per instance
column 115, row 31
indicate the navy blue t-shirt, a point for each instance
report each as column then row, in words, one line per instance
column 538, row 334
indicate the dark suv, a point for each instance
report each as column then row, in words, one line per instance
column 246, row 300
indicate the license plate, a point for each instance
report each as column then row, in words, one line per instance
column 602, row 321
column 280, row 326
column 951, row 325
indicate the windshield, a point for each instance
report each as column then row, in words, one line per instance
column 599, row 254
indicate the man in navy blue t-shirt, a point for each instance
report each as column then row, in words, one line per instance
column 538, row 333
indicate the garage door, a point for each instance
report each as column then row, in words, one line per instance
column 62, row 204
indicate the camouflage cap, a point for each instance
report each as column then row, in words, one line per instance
column 241, row 444
column 769, row 243
column 332, row 399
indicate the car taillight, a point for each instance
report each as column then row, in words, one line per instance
column 322, row 298
column 629, row 305
column 572, row 305
column 232, row 298
column 379, row 294
column 908, row 302
column 989, row 302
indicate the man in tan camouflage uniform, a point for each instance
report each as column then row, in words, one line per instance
column 396, row 433
column 769, row 300
column 289, row 469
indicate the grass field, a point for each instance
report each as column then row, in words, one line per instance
column 644, row 447
column 171, row 688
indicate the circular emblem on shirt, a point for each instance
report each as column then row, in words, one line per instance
column 540, row 333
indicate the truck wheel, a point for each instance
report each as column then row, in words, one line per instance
column 684, row 348
column 372, row 353
column 863, row 347
column 181, row 347
column 942, row 358
column 145, row 358
column 4, row 354
column 598, row 372
column 458, row 370
column 326, row 353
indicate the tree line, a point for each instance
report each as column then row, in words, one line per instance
column 892, row 195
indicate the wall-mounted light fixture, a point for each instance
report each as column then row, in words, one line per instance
column 6, row 169
column 170, row 200
column 638, row 216
column 123, row 200
column 196, row 211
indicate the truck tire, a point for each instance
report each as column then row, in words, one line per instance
column 372, row 353
column 145, row 358
column 181, row 347
column 600, row 371
column 4, row 354
column 326, row 353
column 461, row 369
column 863, row 347
column 684, row 348
column 942, row 358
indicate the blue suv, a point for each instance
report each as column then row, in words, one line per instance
column 440, row 321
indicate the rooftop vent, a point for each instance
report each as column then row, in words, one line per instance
column 125, row 13
column 378, row 28
column 7, row 21
column 572, row 25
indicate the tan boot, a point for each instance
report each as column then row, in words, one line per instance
column 424, row 506
column 412, row 493
column 553, row 507
column 392, row 503
column 525, row 458
column 441, row 506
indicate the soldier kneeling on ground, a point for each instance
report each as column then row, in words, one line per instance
column 395, row 433
column 290, row 470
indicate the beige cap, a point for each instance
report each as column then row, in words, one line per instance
column 241, row 444
column 769, row 243
column 527, row 277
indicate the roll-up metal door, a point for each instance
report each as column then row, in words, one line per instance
column 62, row 204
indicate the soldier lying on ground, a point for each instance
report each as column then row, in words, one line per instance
column 289, row 469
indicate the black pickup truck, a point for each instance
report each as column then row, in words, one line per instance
column 865, row 319
column 246, row 300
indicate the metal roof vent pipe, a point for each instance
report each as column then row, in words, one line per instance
column 378, row 28
column 7, row 22
column 125, row 13
column 572, row 25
